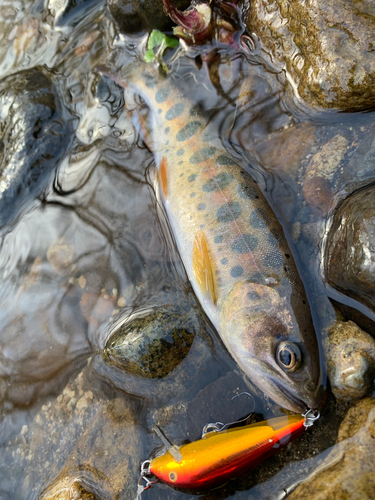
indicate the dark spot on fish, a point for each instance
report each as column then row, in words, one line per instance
column 196, row 111
column 247, row 191
column 159, row 111
column 181, row 174
column 192, row 195
column 273, row 259
column 201, row 206
column 304, row 302
column 217, row 182
column 253, row 296
column 256, row 278
column 218, row 238
column 180, row 152
column 202, row 155
column 167, row 143
column 149, row 80
column 175, row 111
column 225, row 160
column 180, row 162
column 224, row 261
column 192, row 177
column 229, row 212
column 287, row 256
column 244, row 243
column 236, row 271
column 258, row 218
column 202, row 226
column 286, row 269
column 166, row 151
column 162, row 94
column 188, row 131
column 167, row 130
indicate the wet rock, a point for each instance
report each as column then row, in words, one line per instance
column 350, row 356
column 133, row 17
column 318, row 193
column 34, row 136
column 84, row 444
column 348, row 470
column 153, row 343
column 349, row 256
column 327, row 48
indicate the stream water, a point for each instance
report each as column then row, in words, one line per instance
column 83, row 246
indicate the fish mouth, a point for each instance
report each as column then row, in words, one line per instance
column 289, row 397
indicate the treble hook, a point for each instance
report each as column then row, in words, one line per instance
column 219, row 426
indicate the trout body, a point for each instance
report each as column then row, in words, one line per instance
column 233, row 248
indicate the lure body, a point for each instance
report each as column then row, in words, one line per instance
column 220, row 456
column 232, row 245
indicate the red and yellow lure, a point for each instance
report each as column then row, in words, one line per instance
column 220, row 456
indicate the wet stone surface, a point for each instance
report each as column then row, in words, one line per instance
column 326, row 46
column 35, row 133
column 349, row 261
column 153, row 345
column 348, row 470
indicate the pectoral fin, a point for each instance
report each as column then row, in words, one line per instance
column 202, row 267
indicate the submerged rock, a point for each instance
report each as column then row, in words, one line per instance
column 349, row 260
column 327, row 48
column 348, row 470
column 154, row 342
column 85, row 444
column 350, row 360
column 34, row 136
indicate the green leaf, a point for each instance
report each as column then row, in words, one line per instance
column 149, row 55
column 156, row 39
column 171, row 42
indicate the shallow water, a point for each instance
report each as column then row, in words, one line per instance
column 91, row 246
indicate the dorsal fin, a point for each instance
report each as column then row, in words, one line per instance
column 163, row 176
column 202, row 267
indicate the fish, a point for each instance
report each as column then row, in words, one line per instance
column 232, row 245
column 220, row 456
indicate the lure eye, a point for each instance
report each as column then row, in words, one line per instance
column 288, row 356
column 173, row 477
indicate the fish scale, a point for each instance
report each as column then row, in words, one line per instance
column 233, row 248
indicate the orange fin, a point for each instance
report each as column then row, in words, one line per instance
column 202, row 267
column 163, row 176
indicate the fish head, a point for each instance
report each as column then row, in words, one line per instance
column 278, row 353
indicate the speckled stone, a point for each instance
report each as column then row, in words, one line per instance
column 154, row 343
column 350, row 356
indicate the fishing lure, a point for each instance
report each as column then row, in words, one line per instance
column 222, row 454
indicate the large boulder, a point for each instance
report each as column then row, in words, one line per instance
column 327, row 47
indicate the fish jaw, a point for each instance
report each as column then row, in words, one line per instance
column 255, row 320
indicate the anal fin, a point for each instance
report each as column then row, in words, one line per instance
column 163, row 176
column 202, row 267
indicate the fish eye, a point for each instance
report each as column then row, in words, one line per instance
column 288, row 356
